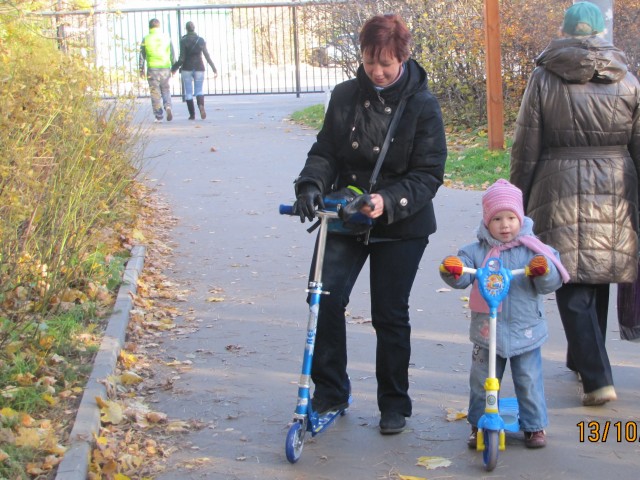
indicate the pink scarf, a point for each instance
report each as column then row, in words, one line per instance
column 477, row 303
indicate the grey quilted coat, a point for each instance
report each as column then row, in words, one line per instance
column 576, row 157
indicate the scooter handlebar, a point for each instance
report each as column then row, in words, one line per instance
column 517, row 271
column 332, row 212
column 286, row 210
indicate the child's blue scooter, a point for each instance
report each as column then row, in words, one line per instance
column 500, row 415
column 305, row 419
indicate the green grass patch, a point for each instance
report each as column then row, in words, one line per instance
column 312, row 116
column 477, row 167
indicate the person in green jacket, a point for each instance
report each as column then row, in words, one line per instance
column 157, row 51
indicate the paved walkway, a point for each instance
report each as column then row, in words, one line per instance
column 224, row 178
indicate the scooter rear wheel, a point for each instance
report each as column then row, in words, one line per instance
column 490, row 453
column 295, row 442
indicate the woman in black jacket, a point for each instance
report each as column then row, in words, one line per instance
column 345, row 153
column 192, row 48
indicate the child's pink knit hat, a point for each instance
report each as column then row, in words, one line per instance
column 502, row 195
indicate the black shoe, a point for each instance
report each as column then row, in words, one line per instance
column 392, row 422
column 472, row 441
column 321, row 406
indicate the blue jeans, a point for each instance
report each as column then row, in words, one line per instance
column 192, row 81
column 393, row 266
column 526, row 370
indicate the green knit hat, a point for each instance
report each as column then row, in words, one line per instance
column 583, row 18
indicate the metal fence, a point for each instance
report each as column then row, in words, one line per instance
column 257, row 49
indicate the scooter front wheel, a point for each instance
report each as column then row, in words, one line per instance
column 491, row 445
column 295, row 442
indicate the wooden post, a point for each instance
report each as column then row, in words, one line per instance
column 495, row 103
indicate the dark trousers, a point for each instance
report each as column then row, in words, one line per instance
column 583, row 310
column 393, row 266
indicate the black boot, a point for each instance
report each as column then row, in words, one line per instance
column 200, row 100
column 192, row 110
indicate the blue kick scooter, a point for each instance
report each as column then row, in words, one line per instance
column 305, row 419
column 494, row 282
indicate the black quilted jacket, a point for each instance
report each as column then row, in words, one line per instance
column 353, row 133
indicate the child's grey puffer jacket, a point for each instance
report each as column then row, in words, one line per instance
column 521, row 325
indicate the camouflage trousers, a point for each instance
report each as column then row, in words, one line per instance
column 159, row 90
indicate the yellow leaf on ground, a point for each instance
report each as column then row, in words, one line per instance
column 431, row 463
column 3, row 455
column 111, row 412
column 8, row 412
column 453, row 415
column 138, row 235
column 127, row 359
column 28, row 437
column 215, row 299
column 177, row 426
column 130, row 378
column 410, row 477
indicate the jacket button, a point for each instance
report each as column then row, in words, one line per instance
column 403, row 202
column 367, row 104
column 387, row 110
column 355, row 145
column 376, row 149
column 354, row 177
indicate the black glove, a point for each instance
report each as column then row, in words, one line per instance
column 309, row 196
column 353, row 207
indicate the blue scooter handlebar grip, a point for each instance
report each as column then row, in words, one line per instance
column 286, row 210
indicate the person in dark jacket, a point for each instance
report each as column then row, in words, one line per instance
column 576, row 157
column 345, row 153
column 192, row 48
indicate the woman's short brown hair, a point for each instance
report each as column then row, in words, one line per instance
column 386, row 32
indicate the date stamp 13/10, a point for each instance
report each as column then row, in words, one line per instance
column 602, row 431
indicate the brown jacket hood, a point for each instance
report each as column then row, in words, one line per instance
column 580, row 60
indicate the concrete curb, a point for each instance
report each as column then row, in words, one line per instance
column 75, row 464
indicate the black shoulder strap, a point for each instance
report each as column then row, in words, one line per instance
column 387, row 141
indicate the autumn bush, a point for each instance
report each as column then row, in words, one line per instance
column 68, row 163
column 449, row 41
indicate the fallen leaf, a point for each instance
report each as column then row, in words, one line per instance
column 441, row 290
column 130, row 378
column 410, row 477
column 453, row 415
column 27, row 437
column 431, row 463
column 111, row 412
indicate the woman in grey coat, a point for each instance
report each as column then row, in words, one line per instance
column 576, row 157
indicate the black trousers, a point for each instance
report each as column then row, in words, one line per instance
column 393, row 266
column 583, row 309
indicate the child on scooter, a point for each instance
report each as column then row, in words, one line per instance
column 505, row 232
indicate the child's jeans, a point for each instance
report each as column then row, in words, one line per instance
column 526, row 370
